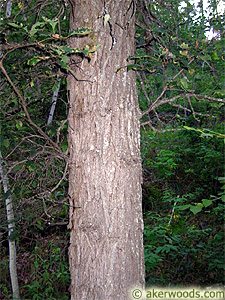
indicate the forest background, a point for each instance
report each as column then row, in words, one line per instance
column 180, row 82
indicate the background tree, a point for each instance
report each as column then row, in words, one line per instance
column 9, row 209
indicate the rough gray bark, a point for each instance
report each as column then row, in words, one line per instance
column 106, row 251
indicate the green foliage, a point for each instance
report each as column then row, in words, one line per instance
column 207, row 133
column 45, row 273
column 180, row 82
column 183, row 234
column 49, row 275
column 35, row 56
column 48, row 40
column 182, row 250
column 180, row 71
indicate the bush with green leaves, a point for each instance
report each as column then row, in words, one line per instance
column 184, row 232
column 43, row 275
column 50, row 276
column 181, row 249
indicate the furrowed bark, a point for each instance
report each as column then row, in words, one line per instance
column 106, row 251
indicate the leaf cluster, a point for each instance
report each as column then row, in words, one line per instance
column 184, row 202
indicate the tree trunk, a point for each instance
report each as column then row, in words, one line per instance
column 11, row 230
column 9, row 208
column 106, row 250
column 54, row 101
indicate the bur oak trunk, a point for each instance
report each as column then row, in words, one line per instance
column 105, row 174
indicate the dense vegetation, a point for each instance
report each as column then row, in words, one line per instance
column 180, row 81
column 182, row 142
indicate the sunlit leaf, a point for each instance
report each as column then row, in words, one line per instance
column 184, row 83
column 79, row 32
column 206, row 202
column 36, row 27
column 196, row 208
column 183, row 207
column 15, row 25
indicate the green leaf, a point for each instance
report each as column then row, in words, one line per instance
column 14, row 235
column 15, row 25
column 79, row 32
column 58, row 193
column 215, row 56
column 53, row 22
column 66, row 49
column 206, row 202
column 94, row 49
column 189, row 128
column 33, row 61
column 221, row 179
column 223, row 198
column 19, row 125
column 184, row 46
column 64, row 147
column 63, row 63
column 207, row 135
column 34, row 184
column 56, row 85
column 17, row 168
column 31, row 167
column 35, row 28
column 6, row 195
column 197, row 208
column 58, row 51
column 133, row 67
column 206, row 57
column 140, row 56
column 183, row 207
column 65, row 59
column 4, row 141
column 184, row 83
column 220, row 93
column 39, row 226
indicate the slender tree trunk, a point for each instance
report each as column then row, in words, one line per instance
column 106, row 250
column 11, row 231
column 8, row 9
column 9, row 208
column 54, row 101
